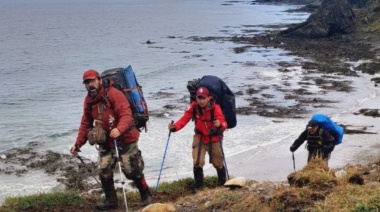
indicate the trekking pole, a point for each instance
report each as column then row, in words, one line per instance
column 163, row 159
column 294, row 162
column 88, row 169
column 118, row 161
column 224, row 158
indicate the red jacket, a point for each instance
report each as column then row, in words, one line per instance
column 203, row 122
column 116, row 106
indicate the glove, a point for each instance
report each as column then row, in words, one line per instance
column 293, row 148
column 172, row 128
column 327, row 148
column 214, row 131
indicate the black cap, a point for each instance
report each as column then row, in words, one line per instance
column 312, row 123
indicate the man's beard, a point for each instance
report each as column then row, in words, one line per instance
column 93, row 91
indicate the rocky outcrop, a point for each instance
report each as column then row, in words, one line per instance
column 358, row 3
column 290, row 1
column 332, row 17
column 371, row 19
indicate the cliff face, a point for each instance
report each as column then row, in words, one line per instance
column 331, row 18
column 337, row 17
column 369, row 17
column 358, row 3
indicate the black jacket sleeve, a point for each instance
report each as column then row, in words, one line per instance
column 299, row 141
column 328, row 141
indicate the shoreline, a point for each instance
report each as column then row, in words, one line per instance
column 280, row 167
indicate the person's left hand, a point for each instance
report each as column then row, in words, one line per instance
column 216, row 123
column 115, row 133
column 74, row 150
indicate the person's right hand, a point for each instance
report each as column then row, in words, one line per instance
column 74, row 150
column 293, row 148
column 171, row 127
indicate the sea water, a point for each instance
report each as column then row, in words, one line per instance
column 46, row 45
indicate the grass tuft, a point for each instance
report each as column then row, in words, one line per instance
column 41, row 201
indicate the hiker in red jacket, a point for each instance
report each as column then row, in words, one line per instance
column 107, row 116
column 209, row 127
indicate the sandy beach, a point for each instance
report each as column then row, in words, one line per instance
column 357, row 148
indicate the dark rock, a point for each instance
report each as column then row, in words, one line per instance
column 368, row 112
column 289, row 1
column 358, row 3
column 332, row 17
column 356, row 179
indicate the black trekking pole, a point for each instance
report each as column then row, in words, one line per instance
column 224, row 158
column 294, row 162
column 163, row 159
column 88, row 169
column 121, row 172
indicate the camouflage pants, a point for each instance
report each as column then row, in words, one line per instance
column 199, row 153
column 132, row 163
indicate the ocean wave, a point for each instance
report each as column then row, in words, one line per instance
column 64, row 134
column 9, row 103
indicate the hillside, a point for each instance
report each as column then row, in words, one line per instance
column 313, row 188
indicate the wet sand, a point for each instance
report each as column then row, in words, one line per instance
column 359, row 148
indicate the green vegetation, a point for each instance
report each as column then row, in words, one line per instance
column 75, row 201
column 43, row 201
column 313, row 188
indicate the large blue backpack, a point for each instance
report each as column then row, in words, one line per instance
column 125, row 80
column 326, row 123
column 222, row 95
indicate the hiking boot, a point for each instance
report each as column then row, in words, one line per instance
column 221, row 176
column 146, row 196
column 107, row 205
column 111, row 198
column 198, row 177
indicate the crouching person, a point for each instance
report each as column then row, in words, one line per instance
column 320, row 143
column 106, row 118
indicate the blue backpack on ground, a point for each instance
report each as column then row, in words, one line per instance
column 326, row 123
column 222, row 95
column 125, row 80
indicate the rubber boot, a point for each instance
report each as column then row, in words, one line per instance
column 198, row 177
column 146, row 196
column 110, row 201
column 221, row 176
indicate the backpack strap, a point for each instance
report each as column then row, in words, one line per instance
column 105, row 95
column 194, row 113
column 212, row 113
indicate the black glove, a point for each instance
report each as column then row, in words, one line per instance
column 172, row 128
column 293, row 148
column 214, row 131
column 327, row 148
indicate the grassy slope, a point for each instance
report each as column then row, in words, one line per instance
column 314, row 188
